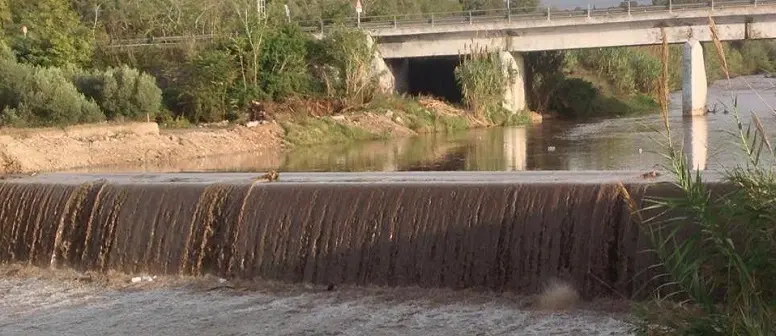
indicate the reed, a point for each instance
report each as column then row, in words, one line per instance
column 718, row 249
column 483, row 80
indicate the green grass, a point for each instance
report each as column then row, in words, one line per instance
column 503, row 117
column 316, row 131
column 418, row 118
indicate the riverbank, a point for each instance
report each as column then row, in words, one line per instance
column 116, row 144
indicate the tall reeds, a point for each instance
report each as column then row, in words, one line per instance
column 717, row 247
column 483, row 80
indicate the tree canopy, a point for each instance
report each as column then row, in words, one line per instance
column 56, row 35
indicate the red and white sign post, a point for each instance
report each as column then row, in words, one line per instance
column 359, row 9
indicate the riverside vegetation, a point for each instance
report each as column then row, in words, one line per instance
column 721, row 276
column 64, row 73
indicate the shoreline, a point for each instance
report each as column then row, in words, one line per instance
column 34, row 150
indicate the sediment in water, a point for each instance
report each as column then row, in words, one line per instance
column 499, row 235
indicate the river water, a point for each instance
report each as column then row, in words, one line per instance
column 711, row 142
column 54, row 304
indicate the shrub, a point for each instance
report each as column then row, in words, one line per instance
column 120, row 92
column 205, row 95
column 283, row 62
column 39, row 96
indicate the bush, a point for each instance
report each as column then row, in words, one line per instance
column 120, row 92
column 38, row 96
column 283, row 63
column 206, row 95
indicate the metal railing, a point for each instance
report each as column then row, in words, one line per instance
column 376, row 24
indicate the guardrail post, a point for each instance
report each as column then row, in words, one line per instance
column 670, row 6
column 432, row 19
column 629, row 7
column 395, row 22
column 470, row 17
column 548, row 13
column 588, row 11
column 755, row 3
column 712, row 4
column 321, row 25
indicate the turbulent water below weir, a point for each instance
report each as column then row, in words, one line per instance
column 46, row 304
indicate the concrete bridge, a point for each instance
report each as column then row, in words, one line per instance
column 512, row 33
column 437, row 38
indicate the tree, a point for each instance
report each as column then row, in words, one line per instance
column 527, row 5
column 56, row 36
column 543, row 74
column 5, row 14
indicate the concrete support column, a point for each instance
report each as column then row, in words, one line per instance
column 694, row 86
column 515, row 148
column 514, row 93
column 696, row 141
column 400, row 68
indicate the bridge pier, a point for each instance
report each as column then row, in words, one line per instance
column 694, row 85
column 513, row 66
column 696, row 141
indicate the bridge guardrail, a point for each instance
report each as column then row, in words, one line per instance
column 434, row 19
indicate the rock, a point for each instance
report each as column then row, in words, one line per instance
column 221, row 280
column 338, row 117
column 398, row 120
column 252, row 123
column 389, row 114
column 136, row 279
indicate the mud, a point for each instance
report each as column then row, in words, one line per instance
column 502, row 233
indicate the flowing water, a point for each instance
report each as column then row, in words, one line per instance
column 488, row 231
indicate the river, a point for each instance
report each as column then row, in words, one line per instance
column 45, row 302
column 711, row 142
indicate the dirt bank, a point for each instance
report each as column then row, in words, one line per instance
column 34, row 150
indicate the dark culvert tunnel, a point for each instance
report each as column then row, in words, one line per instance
column 432, row 76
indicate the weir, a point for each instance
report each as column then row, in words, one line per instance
column 500, row 231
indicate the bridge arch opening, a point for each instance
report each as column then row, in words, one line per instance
column 432, row 76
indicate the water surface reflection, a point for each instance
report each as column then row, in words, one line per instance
column 613, row 144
